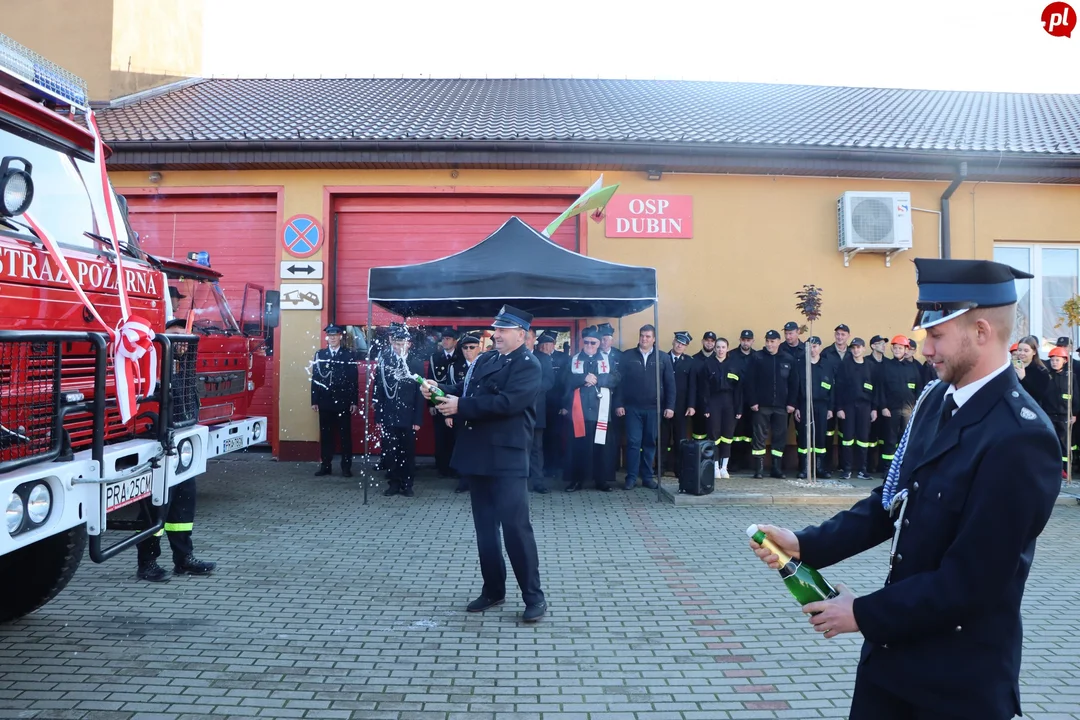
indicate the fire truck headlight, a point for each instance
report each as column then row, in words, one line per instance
column 16, row 187
column 38, row 503
column 185, row 454
column 14, row 514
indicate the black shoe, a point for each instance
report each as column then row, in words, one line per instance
column 777, row 473
column 542, row 490
column 482, row 603
column 865, row 475
column 604, row 488
column 461, row 488
column 533, row 613
column 845, row 475
column 321, row 472
column 390, row 491
column 759, row 468
column 408, row 492
column 573, row 488
column 347, row 472
column 152, row 572
column 191, row 566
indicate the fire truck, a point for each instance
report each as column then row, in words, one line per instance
column 121, row 374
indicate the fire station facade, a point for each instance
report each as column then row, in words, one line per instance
column 738, row 194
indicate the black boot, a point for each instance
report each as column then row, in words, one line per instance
column 190, row 566
column 759, row 466
column 152, row 572
column 822, row 472
column 804, row 466
column 775, row 469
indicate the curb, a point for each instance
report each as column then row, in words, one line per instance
column 672, row 496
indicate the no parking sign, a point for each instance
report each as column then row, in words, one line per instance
column 302, row 236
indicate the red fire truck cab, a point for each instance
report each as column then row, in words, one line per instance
column 85, row 339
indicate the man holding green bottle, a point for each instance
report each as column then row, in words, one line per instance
column 973, row 484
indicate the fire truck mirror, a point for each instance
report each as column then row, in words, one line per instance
column 272, row 314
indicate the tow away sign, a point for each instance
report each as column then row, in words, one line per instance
column 302, row 269
column 301, row 296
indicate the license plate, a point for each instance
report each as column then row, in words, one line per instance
column 125, row 492
column 233, row 443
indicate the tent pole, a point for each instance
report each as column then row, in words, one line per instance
column 367, row 403
column 659, row 409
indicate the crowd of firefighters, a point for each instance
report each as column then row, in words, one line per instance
column 601, row 409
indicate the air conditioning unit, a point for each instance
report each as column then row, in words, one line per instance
column 874, row 222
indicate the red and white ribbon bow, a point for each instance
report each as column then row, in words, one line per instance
column 135, row 364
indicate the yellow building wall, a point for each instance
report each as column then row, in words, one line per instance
column 154, row 43
column 757, row 240
column 77, row 36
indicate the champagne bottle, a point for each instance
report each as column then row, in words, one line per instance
column 804, row 582
column 435, row 392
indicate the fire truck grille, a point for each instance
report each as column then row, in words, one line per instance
column 28, row 399
column 185, row 383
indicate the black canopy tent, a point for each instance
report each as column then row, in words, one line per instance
column 515, row 265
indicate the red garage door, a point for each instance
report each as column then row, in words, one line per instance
column 239, row 232
column 378, row 231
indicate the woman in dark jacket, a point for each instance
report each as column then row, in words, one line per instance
column 1033, row 375
column 721, row 396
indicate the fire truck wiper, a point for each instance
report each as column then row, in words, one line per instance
column 18, row 226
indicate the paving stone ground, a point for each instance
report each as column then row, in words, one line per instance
column 325, row 608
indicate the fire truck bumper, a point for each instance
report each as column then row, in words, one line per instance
column 42, row 500
column 236, row 435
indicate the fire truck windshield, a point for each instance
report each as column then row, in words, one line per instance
column 203, row 303
column 61, row 204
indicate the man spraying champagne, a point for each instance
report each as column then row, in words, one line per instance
column 973, row 483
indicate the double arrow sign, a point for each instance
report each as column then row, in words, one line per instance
column 306, row 269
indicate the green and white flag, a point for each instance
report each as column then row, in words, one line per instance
column 595, row 198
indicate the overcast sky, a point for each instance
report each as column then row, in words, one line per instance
column 934, row 44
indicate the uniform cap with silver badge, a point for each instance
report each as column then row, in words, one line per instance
column 949, row 288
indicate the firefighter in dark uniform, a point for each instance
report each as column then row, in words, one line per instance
column 857, row 401
column 469, row 347
column 399, row 410
column 335, row 388
column 555, row 424
column 792, row 345
column 834, row 355
column 440, row 369
column 675, row 429
column 900, row 386
column 744, row 427
column 536, row 450
column 771, row 376
column 1057, row 402
column 496, row 406
column 721, row 402
column 180, row 514
column 822, row 385
column 699, row 427
column 877, row 359
column 970, row 492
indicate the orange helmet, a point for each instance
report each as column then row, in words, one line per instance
column 899, row 340
column 1014, row 348
column 1059, row 352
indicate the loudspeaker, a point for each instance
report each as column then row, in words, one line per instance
column 696, row 470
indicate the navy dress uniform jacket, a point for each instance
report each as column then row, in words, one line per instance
column 546, row 384
column 498, row 414
column 945, row 633
column 335, row 379
column 408, row 406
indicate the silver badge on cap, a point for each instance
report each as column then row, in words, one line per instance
column 1027, row 414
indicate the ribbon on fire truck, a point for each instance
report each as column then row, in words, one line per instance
column 132, row 342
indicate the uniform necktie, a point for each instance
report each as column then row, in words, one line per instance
column 468, row 374
column 947, row 410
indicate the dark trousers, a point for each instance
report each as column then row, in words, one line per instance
column 589, row 460
column 877, row 442
column 179, row 521
column 721, row 423
column 399, row 456
column 536, row 459
column 699, row 426
column 335, row 423
column 856, row 442
column 770, row 422
column 1061, row 425
column 444, row 445
column 672, row 432
column 743, row 440
column 834, row 437
column 821, row 414
column 553, row 444
column 641, row 428
column 894, row 430
column 503, row 503
column 873, row 702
